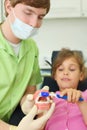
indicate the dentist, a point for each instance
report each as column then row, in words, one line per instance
column 19, row 67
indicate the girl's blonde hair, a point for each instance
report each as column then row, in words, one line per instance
column 65, row 54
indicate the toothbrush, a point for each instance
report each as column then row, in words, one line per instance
column 65, row 97
column 46, row 94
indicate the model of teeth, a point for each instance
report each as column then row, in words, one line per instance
column 42, row 99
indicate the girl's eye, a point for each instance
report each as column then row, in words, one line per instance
column 60, row 69
column 72, row 69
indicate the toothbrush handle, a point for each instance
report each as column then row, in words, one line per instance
column 65, row 97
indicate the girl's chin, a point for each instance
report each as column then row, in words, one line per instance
column 64, row 87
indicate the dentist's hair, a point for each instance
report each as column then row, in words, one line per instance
column 34, row 3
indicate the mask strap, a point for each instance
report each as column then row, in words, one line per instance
column 9, row 20
column 14, row 13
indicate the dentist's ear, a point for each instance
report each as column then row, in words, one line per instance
column 8, row 7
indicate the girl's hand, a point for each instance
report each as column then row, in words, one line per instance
column 73, row 95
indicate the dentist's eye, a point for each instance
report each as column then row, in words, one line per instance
column 28, row 13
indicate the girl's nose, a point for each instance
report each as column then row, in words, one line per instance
column 66, row 72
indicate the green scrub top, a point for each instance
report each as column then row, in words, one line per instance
column 16, row 73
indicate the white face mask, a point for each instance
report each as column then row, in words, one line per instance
column 22, row 30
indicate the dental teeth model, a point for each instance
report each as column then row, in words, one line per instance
column 42, row 99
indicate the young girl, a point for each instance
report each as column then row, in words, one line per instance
column 19, row 55
column 71, row 114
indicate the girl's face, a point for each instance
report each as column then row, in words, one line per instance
column 68, row 74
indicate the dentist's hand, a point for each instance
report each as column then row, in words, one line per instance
column 28, row 104
column 29, row 123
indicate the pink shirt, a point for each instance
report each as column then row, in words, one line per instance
column 66, row 116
